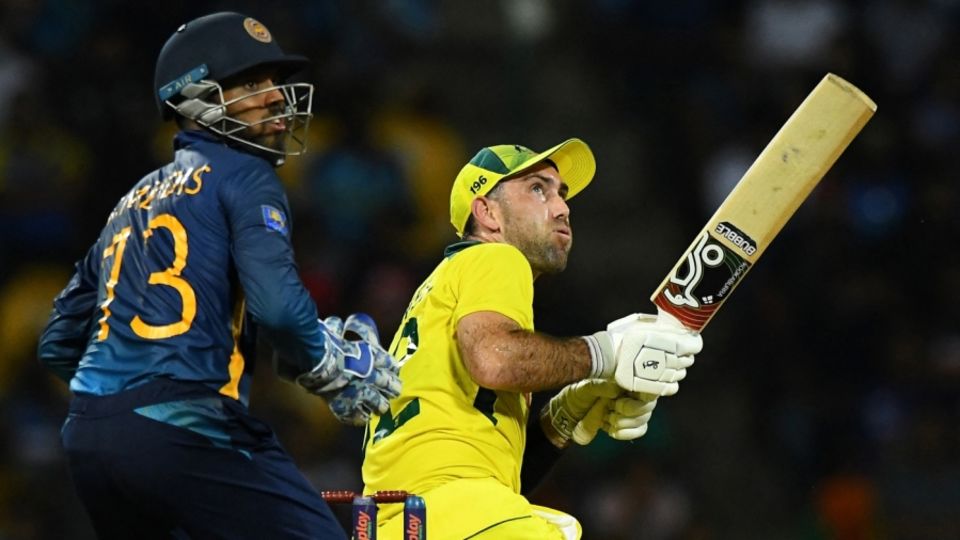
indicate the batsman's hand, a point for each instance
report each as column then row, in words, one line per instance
column 624, row 418
column 644, row 354
column 561, row 417
column 356, row 375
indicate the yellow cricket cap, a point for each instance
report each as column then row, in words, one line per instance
column 573, row 158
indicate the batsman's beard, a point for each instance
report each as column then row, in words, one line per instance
column 546, row 254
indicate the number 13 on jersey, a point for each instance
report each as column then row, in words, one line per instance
column 169, row 276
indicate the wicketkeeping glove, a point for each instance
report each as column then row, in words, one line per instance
column 644, row 354
column 356, row 376
column 354, row 403
column 566, row 410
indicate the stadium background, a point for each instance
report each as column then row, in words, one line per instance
column 824, row 404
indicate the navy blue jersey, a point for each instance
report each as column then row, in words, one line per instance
column 193, row 254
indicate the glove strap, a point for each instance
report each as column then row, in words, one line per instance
column 596, row 356
column 556, row 438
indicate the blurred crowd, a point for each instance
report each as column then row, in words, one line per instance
column 824, row 404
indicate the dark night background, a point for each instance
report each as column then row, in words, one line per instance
column 824, row 404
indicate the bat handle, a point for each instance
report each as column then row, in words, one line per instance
column 668, row 318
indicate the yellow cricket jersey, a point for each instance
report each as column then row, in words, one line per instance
column 443, row 426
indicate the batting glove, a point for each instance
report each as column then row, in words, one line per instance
column 565, row 411
column 644, row 354
column 624, row 418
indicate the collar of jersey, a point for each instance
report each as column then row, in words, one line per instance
column 188, row 137
column 457, row 247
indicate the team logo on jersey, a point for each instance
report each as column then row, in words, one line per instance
column 256, row 30
column 274, row 219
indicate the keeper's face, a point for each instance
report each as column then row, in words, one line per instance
column 258, row 99
column 535, row 217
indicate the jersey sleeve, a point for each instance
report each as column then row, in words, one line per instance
column 64, row 338
column 276, row 299
column 495, row 277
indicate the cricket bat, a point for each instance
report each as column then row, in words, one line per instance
column 769, row 193
column 764, row 199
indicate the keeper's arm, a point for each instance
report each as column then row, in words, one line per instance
column 276, row 299
column 64, row 338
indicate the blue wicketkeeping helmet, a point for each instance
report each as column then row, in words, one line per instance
column 204, row 52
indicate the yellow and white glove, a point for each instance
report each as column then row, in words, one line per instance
column 624, row 418
column 583, row 408
column 564, row 412
column 644, row 354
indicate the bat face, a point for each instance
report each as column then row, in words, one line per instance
column 761, row 203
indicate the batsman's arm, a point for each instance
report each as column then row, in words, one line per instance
column 500, row 355
column 65, row 336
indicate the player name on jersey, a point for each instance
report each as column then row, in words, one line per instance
column 178, row 182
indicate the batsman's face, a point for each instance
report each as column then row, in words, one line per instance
column 257, row 100
column 536, row 218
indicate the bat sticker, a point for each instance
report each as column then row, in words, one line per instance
column 710, row 272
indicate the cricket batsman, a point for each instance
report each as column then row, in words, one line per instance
column 460, row 431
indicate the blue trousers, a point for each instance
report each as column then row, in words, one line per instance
column 177, row 460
